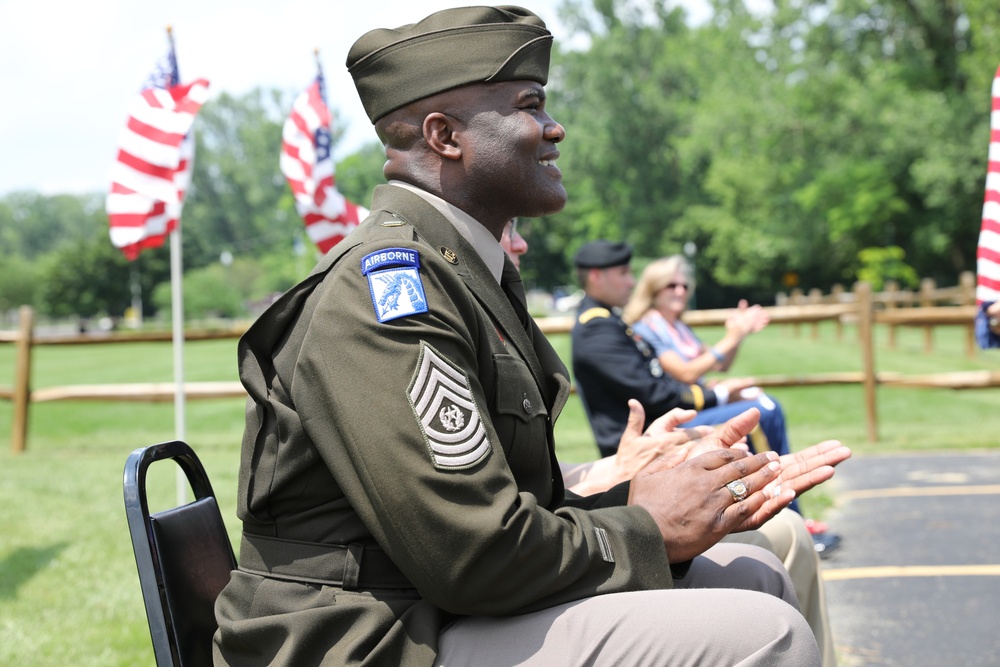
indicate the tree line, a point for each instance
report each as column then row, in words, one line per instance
column 806, row 145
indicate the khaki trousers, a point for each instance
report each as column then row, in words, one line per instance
column 787, row 537
column 704, row 621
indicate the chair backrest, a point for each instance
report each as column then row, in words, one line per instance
column 183, row 555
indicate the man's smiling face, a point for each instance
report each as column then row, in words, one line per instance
column 510, row 150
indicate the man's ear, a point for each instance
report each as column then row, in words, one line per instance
column 594, row 277
column 439, row 132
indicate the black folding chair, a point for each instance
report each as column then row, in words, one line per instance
column 183, row 555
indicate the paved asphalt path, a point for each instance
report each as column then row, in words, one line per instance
column 916, row 581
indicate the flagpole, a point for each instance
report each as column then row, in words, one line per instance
column 177, row 320
column 177, row 309
column 149, row 178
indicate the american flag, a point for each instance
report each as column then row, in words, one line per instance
column 152, row 169
column 306, row 163
column 988, row 256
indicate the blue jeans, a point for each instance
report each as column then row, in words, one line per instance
column 771, row 434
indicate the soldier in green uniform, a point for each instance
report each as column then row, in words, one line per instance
column 399, row 492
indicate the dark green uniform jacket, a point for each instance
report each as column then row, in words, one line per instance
column 398, row 465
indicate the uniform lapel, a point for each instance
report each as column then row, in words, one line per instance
column 505, row 314
column 440, row 233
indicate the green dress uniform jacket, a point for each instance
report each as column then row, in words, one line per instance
column 398, row 473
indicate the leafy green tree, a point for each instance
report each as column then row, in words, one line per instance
column 625, row 101
column 881, row 264
column 359, row 173
column 33, row 224
column 210, row 291
column 782, row 141
column 56, row 255
column 18, row 283
column 631, row 102
column 938, row 58
column 239, row 200
column 86, row 280
column 277, row 272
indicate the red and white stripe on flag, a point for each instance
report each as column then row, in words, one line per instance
column 307, row 164
column 152, row 169
column 988, row 255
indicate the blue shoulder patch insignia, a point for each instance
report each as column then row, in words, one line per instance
column 394, row 282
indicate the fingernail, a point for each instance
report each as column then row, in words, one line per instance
column 774, row 465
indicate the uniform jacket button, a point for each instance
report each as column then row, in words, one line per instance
column 526, row 404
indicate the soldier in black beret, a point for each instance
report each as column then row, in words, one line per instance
column 400, row 496
column 602, row 254
column 612, row 364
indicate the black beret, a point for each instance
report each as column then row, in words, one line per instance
column 448, row 49
column 601, row 254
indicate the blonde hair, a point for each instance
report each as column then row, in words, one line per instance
column 655, row 277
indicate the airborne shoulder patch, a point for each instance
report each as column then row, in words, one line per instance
column 446, row 410
column 394, row 282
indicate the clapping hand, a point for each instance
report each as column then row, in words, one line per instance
column 691, row 492
column 636, row 449
column 746, row 319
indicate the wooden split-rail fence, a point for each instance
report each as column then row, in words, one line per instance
column 928, row 307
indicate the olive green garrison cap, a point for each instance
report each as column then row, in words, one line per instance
column 454, row 47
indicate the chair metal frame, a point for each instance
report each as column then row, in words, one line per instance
column 161, row 618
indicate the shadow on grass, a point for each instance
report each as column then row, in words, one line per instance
column 22, row 564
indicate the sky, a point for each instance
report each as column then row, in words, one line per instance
column 68, row 69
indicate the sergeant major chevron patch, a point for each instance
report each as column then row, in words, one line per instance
column 447, row 412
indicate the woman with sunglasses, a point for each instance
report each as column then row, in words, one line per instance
column 655, row 309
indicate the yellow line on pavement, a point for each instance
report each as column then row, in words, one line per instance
column 905, row 491
column 842, row 574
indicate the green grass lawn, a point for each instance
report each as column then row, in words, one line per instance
column 69, row 593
